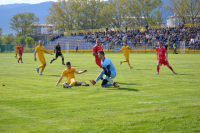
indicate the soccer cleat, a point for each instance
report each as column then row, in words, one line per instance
column 120, row 62
column 115, row 84
column 110, row 80
column 22, row 62
column 131, row 67
column 51, row 61
column 63, row 63
column 37, row 68
column 40, row 74
column 85, row 85
column 18, row 61
column 174, row 72
column 157, row 73
column 93, row 82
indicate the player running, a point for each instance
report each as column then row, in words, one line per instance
column 97, row 48
column 40, row 50
column 162, row 57
column 126, row 50
column 20, row 51
column 69, row 73
column 109, row 71
column 58, row 53
column 16, row 50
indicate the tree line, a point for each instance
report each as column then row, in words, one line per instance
column 68, row 15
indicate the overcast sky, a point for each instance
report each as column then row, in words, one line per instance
column 4, row 2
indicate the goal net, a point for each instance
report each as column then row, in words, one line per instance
column 182, row 47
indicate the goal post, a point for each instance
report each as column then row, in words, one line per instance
column 182, row 47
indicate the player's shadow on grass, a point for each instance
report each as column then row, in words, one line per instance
column 143, row 69
column 185, row 74
column 55, row 75
column 127, row 89
column 125, row 83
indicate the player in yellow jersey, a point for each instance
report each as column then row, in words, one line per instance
column 16, row 50
column 41, row 50
column 69, row 73
column 126, row 50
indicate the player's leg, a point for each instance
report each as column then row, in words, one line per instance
column 21, row 58
column 98, row 78
column 158, row 68
column 54, row 58
column 171, row 68
column 105, row 83
column 72, row 82
column 62, row 59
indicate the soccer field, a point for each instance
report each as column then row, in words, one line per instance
column 145, row 102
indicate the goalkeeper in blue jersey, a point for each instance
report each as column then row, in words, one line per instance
column 109, row 71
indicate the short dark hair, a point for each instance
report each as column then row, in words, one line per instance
column 68, row 63
column 161, row 42
column 101, row 52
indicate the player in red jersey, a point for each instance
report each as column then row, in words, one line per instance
column 20, row 50
column 162, row 57
column 96, row 49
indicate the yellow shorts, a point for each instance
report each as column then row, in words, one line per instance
column 127, row 58
column 71, row 80
column 43, row 60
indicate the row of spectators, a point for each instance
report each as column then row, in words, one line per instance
column 171, row 36
column 56, row 37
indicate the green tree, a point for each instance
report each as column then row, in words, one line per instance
column 179, row 9
column 0, row 36
column 7, row 39
column 28, row 41
column 23, row 23
column 192, row 9
column 17, row 40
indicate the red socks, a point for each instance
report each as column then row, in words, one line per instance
column 171, row 68
column 20, row 59
column 158, row 68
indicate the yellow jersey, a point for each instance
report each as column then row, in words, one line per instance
column 126, row 50
column 40, row 50
column 69, row 74
column 16, row 49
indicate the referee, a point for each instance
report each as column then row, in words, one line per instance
column 58, row 53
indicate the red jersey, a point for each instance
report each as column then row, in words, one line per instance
column 96, row 49
column 20, row 49
column 161, row 53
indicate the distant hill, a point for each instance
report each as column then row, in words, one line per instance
column 7, row 11
column 40, row 10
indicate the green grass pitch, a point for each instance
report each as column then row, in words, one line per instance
column 145, row 102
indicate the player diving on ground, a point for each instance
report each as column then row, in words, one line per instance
column 69, row 73
column 109, row 71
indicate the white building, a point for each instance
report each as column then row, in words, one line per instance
column 42, row 29
column 174, row 20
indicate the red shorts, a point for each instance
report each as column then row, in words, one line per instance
column 164, row 62
column 98, row 62
column 20, row 54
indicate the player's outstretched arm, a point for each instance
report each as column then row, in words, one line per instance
column 117, row 51
column 80, row 72
column 35, row 56
column 94, row 54
column 48, row 53
column 59, row 80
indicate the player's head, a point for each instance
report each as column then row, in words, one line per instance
column 160, row 44
column 98, row 42
column 68, row 64
column 40, row 43
column 101, row 54
column 20, row 44
column 124, row 44
column 16, row 44
column 58, row 43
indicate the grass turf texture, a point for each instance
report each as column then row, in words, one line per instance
column 145, row 102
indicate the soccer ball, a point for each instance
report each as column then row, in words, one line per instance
column 65, row 85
